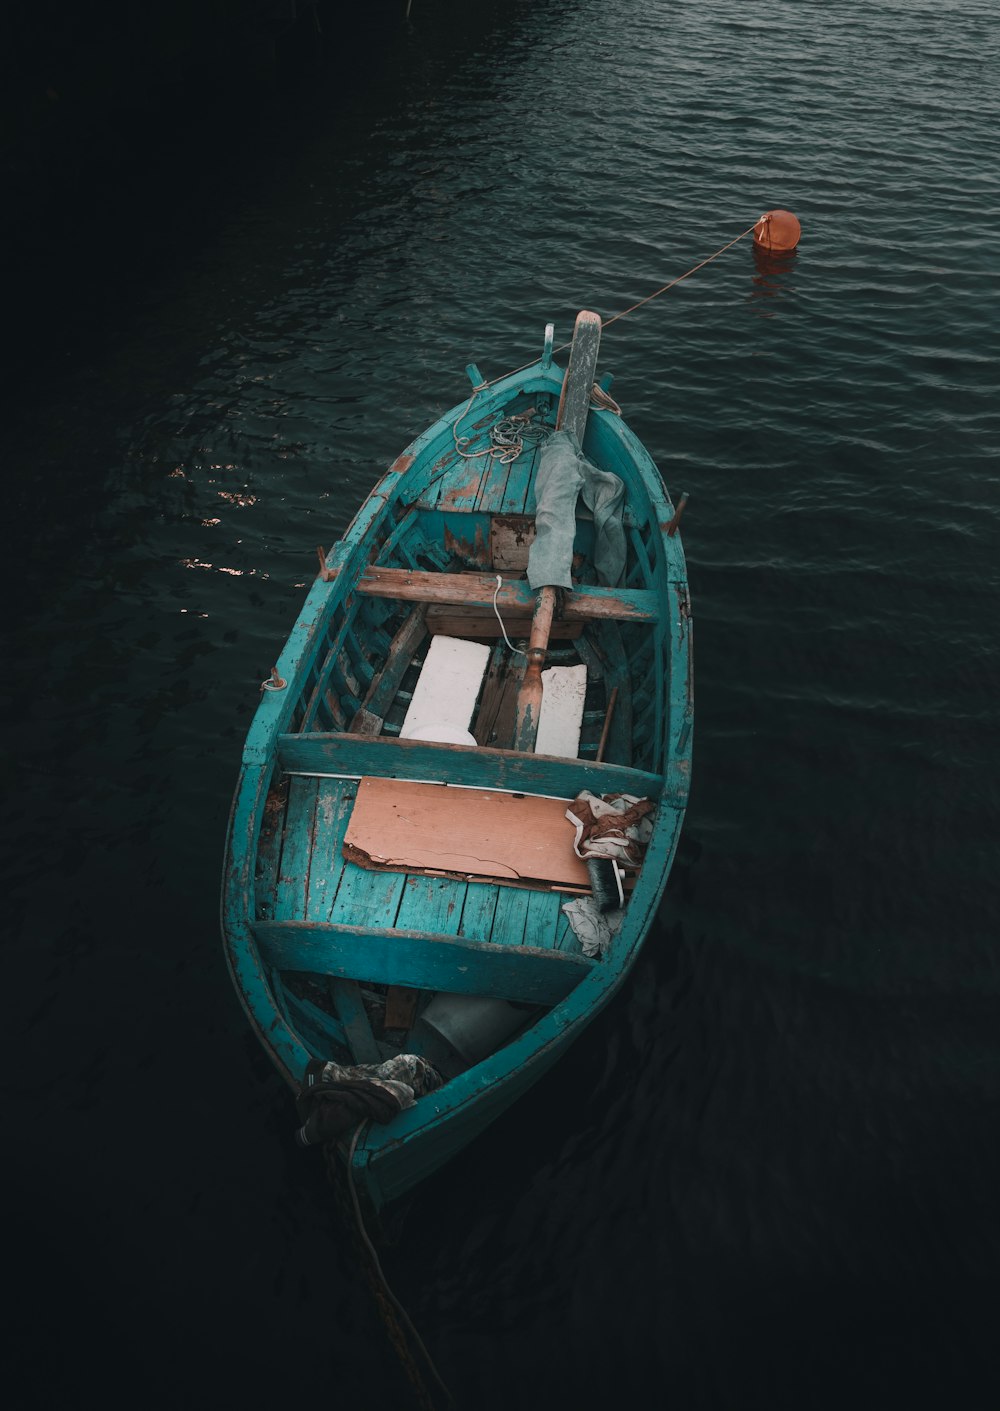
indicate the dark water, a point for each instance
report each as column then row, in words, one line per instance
column 770, row 1179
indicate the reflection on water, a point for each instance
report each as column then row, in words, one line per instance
column 774, row 276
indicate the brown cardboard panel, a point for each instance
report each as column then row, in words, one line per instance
column 466, row 832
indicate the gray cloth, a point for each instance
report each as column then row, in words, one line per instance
column 593, row 928
column 564, row 475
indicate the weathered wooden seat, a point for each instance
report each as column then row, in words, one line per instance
column 477, row 590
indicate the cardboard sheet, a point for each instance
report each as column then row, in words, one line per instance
column 502, row 837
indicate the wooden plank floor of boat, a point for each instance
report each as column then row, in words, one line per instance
column 484, row 483
column 315, row 883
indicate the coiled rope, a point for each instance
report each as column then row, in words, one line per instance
column 508, row 437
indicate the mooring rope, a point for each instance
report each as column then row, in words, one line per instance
column 504, row 447
column 607, row 322
column 602, row 401
column 402, row 1334
column 506, row 453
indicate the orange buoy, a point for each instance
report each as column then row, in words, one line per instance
column 778, row 231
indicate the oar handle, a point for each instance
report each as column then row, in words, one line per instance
column 529, row 697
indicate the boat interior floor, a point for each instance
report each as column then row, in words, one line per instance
column 395, row 939
column 356, row 953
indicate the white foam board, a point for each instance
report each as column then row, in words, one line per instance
column 560, row 719
column 447, row 690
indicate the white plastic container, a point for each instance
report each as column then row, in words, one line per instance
column 473, row 1025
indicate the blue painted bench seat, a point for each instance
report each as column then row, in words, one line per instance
column 482, row 483
column 337, row 753
column 421, row 960
column 307, row 879
column 485, row 486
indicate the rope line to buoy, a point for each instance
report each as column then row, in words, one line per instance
column 607, row 322
column 393, row 1301
column 462, row 442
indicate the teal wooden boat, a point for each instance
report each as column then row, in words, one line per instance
column 345, row 937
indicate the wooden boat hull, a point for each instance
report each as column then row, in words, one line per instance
column 308, row 934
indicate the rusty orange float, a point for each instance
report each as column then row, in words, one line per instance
column 777, row 231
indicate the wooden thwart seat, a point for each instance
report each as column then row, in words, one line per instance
column 421, row 960
column 353, row 756
column 477, row 590
column 458, row 620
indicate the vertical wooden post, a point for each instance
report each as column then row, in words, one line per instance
column 574, row 404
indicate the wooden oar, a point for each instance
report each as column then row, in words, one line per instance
column 574, row 404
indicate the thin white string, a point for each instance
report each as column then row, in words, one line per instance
column 496, row 593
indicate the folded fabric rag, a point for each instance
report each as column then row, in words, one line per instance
column 564, row 475
column 594, row 929
column 617, row 826
column 333, row 1097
